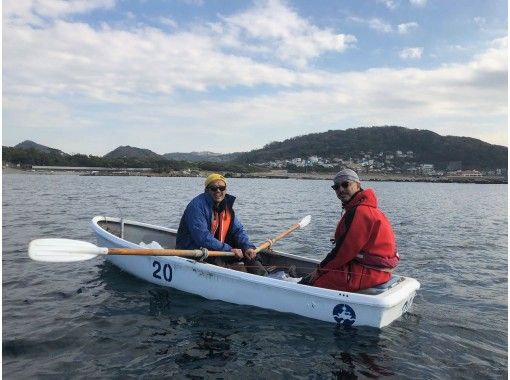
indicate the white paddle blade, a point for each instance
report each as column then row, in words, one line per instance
column 305, row 221
column 63, row 250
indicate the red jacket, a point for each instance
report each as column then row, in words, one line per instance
column 369, row 243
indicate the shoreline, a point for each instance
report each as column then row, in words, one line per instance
column 380, row 177
column 370, row 177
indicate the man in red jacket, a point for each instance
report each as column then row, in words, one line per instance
column 365, row 250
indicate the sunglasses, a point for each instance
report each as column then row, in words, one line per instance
column 345, row 185
column 216, row 188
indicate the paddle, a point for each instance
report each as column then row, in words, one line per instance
column 67, row 250
column 304, row 222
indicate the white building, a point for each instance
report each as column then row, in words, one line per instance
column 470, row 173
column 427, row 168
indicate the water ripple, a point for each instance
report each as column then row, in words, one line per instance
column 89, row 319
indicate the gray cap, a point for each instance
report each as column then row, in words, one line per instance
column 346, row 175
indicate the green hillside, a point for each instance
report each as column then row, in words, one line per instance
column 427, row 146
column 352, row 144
column 129, row 152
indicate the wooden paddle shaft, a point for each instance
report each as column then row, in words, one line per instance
column 165, row 252
column 268, row 244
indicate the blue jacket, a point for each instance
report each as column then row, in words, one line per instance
column 195, row 227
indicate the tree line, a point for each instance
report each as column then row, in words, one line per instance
column 30, row 157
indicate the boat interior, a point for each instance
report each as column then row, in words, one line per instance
column 138, row 233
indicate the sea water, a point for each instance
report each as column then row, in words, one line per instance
column 91, row 320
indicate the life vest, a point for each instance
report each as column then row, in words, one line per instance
column 375, row 261
column 220, row 224
column 365, row 249
column 371, row 260
column 339, row 235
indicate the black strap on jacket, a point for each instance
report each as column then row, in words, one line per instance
column 349, row 216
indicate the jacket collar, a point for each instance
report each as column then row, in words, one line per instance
column 363, row 197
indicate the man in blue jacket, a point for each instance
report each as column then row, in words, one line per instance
column 209, row 222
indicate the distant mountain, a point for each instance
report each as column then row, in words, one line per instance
column 201, row 156
column 129, row 152
column 27, row 144
column 427, row 147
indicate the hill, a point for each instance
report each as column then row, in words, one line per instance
column 427, row 147
column 370, row 147
column 27, row 145
column 201, row 156
column 129, row 152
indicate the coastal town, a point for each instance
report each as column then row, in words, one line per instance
column 396, row 162
column 384, row 153
column 396, row 165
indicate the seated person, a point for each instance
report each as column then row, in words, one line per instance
column 209, row 222
column 365, row 251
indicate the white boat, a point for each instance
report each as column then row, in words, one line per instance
column 376, row 307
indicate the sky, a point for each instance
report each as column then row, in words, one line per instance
column 87, row 76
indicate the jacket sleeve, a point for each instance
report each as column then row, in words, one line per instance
column 240, row 236
column 357, row 237
column 196, row 220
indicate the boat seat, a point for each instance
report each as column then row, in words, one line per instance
column 394, row 280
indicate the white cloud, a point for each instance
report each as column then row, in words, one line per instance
column 462, row 96
column 382, row 26
column 36, row 11
column 418, row 3
column 273, row 27
column 57, row 72
column 481, row 22
column 60, row 8
column 112, row 64
column 107, row 64
column 390, row 4
column 374, row 23
column 411, row 53
column 458, row 48
column 193, row 2
column 168, row 22
column 407, row 27
column 493, row 59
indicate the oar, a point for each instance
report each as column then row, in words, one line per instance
column 67, row 250
column 304, row 222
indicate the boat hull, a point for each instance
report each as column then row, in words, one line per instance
column 214, row 282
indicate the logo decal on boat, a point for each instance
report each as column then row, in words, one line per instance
column 344, row 314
